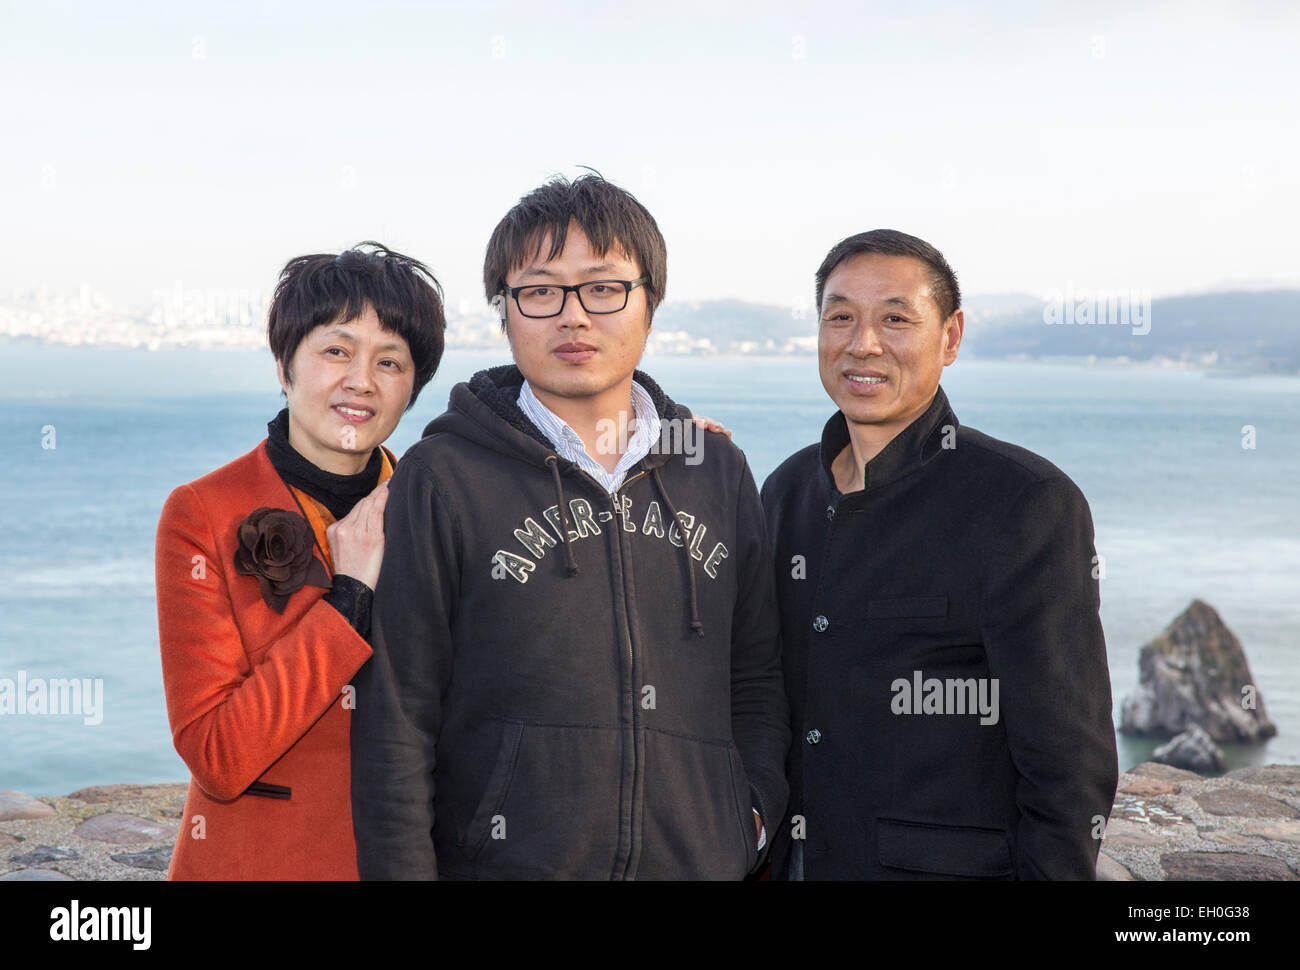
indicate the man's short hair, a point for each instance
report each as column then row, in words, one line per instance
column 325, row 288
column 608, row 216
column 891, row 242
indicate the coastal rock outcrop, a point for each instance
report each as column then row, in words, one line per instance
column 1195, row 673
column 1193, row 750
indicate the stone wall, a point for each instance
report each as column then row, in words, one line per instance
column 1165, row 824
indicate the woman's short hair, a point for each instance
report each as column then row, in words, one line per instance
column 326, row 288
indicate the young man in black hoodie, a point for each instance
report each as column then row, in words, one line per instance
column 576, row 671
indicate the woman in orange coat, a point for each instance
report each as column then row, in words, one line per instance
column 265, row 570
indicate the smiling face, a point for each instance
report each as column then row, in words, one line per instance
column 577, row 359
column 351, row 383
column 881, row 343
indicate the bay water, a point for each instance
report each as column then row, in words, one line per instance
column 1182, row 510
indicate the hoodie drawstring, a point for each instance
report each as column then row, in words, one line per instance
column 570, row 567
column 696, row 625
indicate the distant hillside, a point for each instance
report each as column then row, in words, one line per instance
column 1245, row 330
column 734, row 327
column 1240, row 330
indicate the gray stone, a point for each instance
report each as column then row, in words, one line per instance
column 157, row 858
column 36, row 875
column 1111, row 870
column 45, row 853
column 122, row 829
column 1151, row 769
column 1235, row 839
column 1121, row 833
column 1145, row 787
column 1192, row 749
column 1277, row 776
column 1225, row 866
column 15, row 805
column 1195, row 672
column 1250, row 804
column 98, row 794
column 1281, row 830
column 1144, row 811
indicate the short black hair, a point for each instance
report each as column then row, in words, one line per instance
column 891, row 242
column 325, row 288
column 609, row 216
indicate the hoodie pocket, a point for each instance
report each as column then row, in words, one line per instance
column 498, row 786
column 551, row 808
column 748, row 827
column 698, row 820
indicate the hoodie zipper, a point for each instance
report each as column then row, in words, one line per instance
column 616, row 525
column 615, row 502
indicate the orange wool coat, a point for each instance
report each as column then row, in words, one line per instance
column 253, row 695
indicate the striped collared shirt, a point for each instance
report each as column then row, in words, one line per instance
column 643, row 433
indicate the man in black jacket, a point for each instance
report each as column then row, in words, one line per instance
column 943, row 652
column 576, row 669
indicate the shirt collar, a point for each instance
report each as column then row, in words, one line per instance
column 568, row 442
column 907, row 451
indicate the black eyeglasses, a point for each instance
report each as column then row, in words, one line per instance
column 598, row 296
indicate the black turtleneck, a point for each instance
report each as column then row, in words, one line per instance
column 338, row 493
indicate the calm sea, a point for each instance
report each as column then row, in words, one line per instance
column 1182, row 510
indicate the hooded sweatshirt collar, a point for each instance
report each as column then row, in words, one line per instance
column 491, row 398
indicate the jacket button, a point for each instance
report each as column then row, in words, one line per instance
column 820, row 624
column 830, row 511
column 813, row 737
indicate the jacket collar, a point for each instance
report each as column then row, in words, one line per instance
column 911, row 448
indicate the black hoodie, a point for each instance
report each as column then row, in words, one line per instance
column 599, row 699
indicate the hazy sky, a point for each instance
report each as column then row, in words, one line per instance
column 1042, row 146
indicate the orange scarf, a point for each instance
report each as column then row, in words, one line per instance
column 322, row 518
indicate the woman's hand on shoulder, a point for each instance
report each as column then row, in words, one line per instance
column 357, row 540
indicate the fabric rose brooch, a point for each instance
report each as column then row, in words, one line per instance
column 276, row 546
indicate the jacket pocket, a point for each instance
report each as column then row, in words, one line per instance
column 948, row 850
column 907, row 606
column 266, row 790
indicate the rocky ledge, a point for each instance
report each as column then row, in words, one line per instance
column 112, row 832
column 1166, row 823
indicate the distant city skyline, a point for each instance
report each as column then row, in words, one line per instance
column 1116, row 146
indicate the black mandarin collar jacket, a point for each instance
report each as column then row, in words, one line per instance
column 965, row 561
